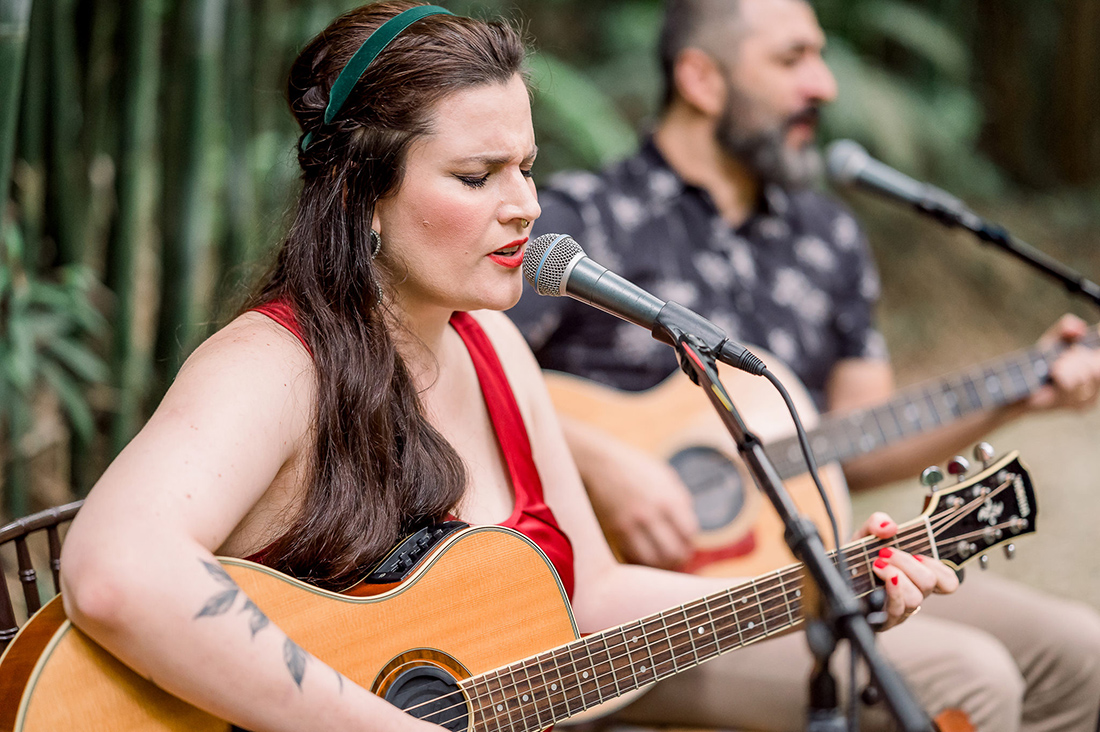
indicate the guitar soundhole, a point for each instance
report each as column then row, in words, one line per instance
column 716, row 489
column 431, row 694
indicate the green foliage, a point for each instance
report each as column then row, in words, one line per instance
column 102, row 125
column 44, row 328
column 904, row 75
column 578, row 123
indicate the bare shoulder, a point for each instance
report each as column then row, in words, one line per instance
column 251, row 371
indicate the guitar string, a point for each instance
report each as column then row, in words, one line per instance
column 676, row 652
column 704, row 606
column 766, row 605
column 977, row 375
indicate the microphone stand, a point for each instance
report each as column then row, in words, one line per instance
column 833, row 611
column 958, row 216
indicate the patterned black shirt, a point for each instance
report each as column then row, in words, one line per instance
column 796, row 278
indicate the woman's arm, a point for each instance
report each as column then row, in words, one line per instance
column 138, row 569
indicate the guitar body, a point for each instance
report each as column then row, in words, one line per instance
column 485, row 598
column 479, row 636
column 741, row 533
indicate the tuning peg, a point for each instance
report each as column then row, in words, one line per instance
column 958, row 466
column 983, row 561
column 984, row 452
column 1010, row 551
column 931, row 476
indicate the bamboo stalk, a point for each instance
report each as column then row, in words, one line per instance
column 67, row 167
column 15, row 16
column 188, row 224
column 14, row 23
column 238, row 244
column 31, row 174
column 135, row 186
column 100, row 131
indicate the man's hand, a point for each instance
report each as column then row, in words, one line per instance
column 643, row 506
column 907, row 578
column 1075, row 375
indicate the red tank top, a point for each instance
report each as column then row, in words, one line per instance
column 531, row 516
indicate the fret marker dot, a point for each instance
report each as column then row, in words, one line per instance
column 854, row 572
column 700, row 631
column 634, row 639
column 750, row 625
column 643, row 669
column 744, row 600
column 798, row 593
column 500, row 707
column 584, row 675
column 525, row 697
column 553, row 687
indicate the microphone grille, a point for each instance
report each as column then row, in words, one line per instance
column 546, row 261
column 844, row 161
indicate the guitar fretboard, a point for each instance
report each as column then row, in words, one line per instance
column 923, row 408
column 563, row 682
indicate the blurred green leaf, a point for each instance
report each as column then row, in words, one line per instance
column 78, row 359
column 72, row 399
column 577, row 111
column 921, row 32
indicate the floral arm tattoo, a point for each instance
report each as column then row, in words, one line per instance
column 222, row 601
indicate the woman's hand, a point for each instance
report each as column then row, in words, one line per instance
column 907, row 578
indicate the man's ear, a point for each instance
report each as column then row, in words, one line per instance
column 700, row 81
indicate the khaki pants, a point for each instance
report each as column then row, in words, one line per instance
column 1010, row 657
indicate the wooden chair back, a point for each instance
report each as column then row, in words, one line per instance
column 17, row 532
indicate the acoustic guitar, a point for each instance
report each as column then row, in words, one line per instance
column 740, row 534
column 478, row 633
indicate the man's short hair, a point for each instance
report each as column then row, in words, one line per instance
column 709, row 25
column 691, row 24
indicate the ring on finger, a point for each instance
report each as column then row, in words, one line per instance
column 911, row 613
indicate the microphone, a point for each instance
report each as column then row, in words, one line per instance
column 848, row 164
column 555, row 265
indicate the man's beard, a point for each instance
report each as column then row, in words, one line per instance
column 765, row 151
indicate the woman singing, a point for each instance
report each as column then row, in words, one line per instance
column 370, row 387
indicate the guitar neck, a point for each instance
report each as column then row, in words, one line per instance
column 537, row 692
column 923, row 408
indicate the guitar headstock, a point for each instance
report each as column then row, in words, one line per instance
column 994, row 507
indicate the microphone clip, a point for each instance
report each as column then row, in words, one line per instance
column 674, row 321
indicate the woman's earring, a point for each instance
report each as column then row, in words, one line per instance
column 375, row 243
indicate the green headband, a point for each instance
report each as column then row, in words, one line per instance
column 370, row 49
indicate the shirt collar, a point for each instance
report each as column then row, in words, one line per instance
column 774, row 201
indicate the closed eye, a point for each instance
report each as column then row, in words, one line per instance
column 473, row 181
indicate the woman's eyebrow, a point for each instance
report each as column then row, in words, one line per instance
column 496, row 160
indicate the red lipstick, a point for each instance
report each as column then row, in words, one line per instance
column 506, row 257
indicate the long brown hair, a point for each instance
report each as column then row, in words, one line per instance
column 379, row 469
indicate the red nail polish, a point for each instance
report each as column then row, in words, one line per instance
column 886, row 552
column 894, row 579
column 880, row 563
column 885, row 524
column 918, row 557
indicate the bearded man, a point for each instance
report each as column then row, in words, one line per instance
column 714, row 213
